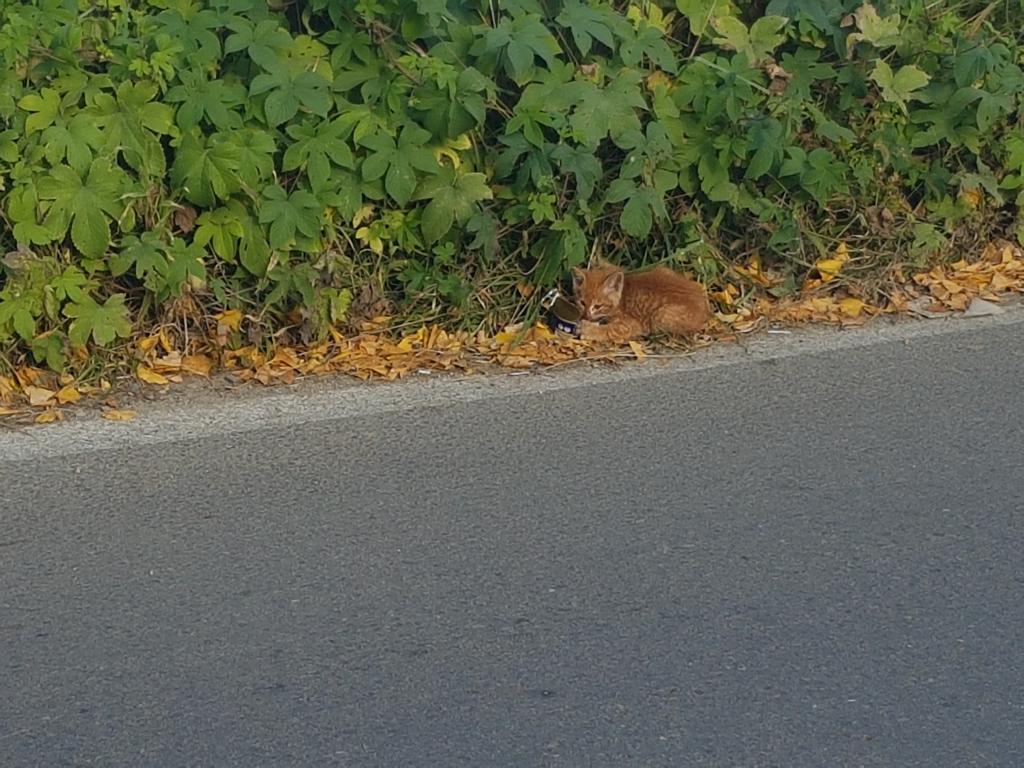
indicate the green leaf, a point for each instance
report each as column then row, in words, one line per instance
column 766, row 139
column 611, row 110
column 823, row 14
column 991, row 107
column 582, row 164
column 86, row 206
column 255, row 150
column 49, row 349
column 823, row 176
column 265, row 42
column 253, row 249
column 75, row 140
column 316, row 147
column 184, row 263
column 222, row 229
column 451, row 200
column 647, row 40
column 642, row 204
column 700, row 12
column 880, row 32
column 71, row 284
column 286, row 94
column 24, row 324
column 398, row 161
column 756, row 43
column 9, row 150
column 146, row 254
column 200, row 98
column 518, row 42
column 588, row 23
column 450, row 110
column 949, row 119
column 132, row 124
column 44, row 108
column 193, row 29
column 104, row 322
column 206, row 170
column 806, row 69
column 901, row 87
column 289, row 216
column 313, row 92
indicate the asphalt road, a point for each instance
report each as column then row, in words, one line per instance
column 811, row 558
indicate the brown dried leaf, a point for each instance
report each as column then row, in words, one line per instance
column 169, row 362
column 185, row 218
column 39, row 397
column 7, row 389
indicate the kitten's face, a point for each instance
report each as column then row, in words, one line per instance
column 598, row 291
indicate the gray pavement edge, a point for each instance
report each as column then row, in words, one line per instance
column 196, row 412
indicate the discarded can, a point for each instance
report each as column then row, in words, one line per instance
column 562, row 313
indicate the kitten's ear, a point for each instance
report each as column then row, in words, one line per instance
column 612, row 286
column 577, row 277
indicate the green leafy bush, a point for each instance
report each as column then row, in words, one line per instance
column 310, row 161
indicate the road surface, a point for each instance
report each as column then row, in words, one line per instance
column 795, row 555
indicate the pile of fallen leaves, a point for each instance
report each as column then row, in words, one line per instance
column 377, row 353
column 961, row 287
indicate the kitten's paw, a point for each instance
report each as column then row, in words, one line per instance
column 590, row 331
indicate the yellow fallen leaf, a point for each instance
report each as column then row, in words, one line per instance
column 150, row 376
column 115, row 414
column 198, row 365
column 165, row 342
column 959, row 301
column 542, row 333
column 47, row 417
column 146, row 344
column 8, row 411
column 851, row 307
column 39, row 397
column 828, row 268
column 638, row 349
column 1001, row 282
column 509, row 335
column 407, row 342
column 68, row 394
column 753, row 271
column 230, row 319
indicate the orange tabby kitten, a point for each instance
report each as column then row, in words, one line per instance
column 618, row 306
